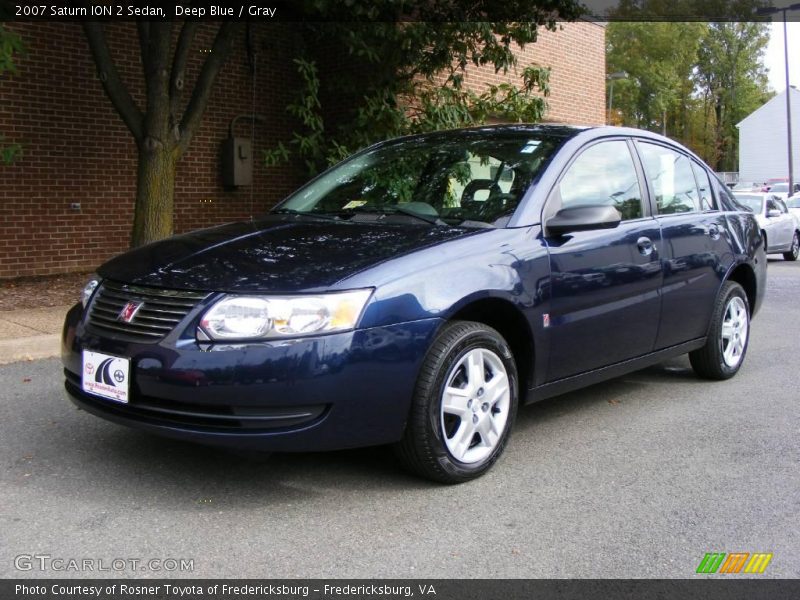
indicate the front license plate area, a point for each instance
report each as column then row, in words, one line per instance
column 106, row 376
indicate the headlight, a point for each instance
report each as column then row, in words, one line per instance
column 89, row 289
column 269, row 317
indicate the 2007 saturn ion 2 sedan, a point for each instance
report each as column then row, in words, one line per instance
column 419, row 292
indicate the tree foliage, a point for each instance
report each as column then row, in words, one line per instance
column 693, row 81
column 659, row 60
column 10, row 44
column 403, row 77
column 733, row 83
column 404, row 60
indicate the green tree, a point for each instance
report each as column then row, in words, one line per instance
column 403, row 46
column 658, row 59
column 10, row 44
column 692, row 81
column 165, row 126
column 733, row 82
column 408, row 76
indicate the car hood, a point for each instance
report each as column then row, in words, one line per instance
column 277, row 253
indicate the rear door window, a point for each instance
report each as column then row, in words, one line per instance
column 670, row 174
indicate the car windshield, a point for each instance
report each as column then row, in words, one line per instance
column 753, row 202
column 460, row 179
column 779, row 187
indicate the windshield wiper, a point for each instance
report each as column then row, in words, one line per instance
column 393, row 210
column 427, row 218
column 302, row 213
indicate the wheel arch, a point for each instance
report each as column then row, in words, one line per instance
column 744, row 275
column 506, row 317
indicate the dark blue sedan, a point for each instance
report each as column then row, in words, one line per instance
column 418, row 292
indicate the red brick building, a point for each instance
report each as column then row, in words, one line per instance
column 67, row 202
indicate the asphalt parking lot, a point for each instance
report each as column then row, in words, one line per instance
column 636, row 477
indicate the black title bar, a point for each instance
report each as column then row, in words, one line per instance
column 540, row 11
column 438, row 589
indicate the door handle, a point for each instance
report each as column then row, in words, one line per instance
column 713, row 231
column 645, row 245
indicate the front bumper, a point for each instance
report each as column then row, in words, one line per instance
column 321, row 393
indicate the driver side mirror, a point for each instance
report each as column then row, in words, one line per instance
column 583, row 218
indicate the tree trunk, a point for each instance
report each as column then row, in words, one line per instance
column 161, row 134
column 155, row 188
column 719, row 112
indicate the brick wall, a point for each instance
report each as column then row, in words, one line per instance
column 77, row 150
column 576, row 55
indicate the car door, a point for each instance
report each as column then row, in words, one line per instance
column 604, row 283
column 771, row 225
column 785, row 223
column 793, row 204
column 695, row 249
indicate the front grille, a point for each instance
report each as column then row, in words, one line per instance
column 161, row 310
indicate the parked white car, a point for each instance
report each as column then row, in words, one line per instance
column 793, row 204
column 781, row 190
column 780, row 228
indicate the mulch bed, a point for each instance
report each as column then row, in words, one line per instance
column 40, row 292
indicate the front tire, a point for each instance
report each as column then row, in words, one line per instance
column 464, row 405
column 728, row 337
column 794, row 251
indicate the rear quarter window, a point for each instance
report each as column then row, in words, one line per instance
column 704, row 187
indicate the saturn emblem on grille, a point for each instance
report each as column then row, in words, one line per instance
column 129, row 311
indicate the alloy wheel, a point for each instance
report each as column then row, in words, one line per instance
column 475, row 405
column 734, row 331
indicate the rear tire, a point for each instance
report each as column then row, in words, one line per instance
column 728, row 337
column 794, row 251
column 464, row 405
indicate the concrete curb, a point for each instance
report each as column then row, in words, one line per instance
column 31, row 333
column 30, row 348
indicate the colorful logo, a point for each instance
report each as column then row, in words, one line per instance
column 129, row 311
column 735, row 562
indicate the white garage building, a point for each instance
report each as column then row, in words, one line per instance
column 763, row 152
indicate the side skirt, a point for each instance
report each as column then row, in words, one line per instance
column 568, row 384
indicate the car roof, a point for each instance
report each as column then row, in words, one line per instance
column 551, row 129
column 563, row 130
